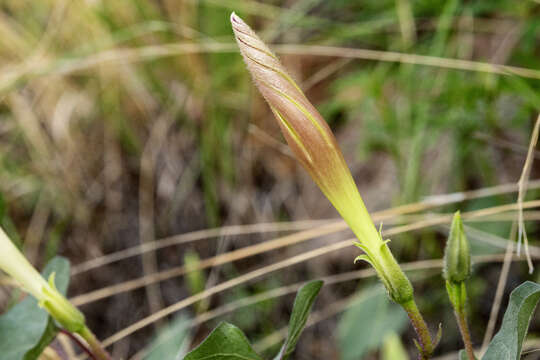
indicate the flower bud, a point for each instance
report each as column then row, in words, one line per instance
column 314, row 145
column 13, row 262
column 306, row 132
column 17, row 266
column 457, row 258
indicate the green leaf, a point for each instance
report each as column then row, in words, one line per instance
column 26, row 329
column 365, row 324
column 172, row 342
column 301, row 309
column 393, row 348
column 48, row 335
column 226, row 342
column 506, row 345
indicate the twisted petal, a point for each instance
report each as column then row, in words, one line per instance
column 306, row 132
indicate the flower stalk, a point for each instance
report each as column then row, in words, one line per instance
column 95, row 345
column 456, row 270
column 316, row 148
column 425, row 345
column 49, row 298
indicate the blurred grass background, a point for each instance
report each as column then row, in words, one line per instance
column 127, row 121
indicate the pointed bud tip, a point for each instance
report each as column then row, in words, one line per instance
column 457, row 258
column 236, row 20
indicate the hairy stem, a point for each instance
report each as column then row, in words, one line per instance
column 457, row 292
column 79, row 343
column 465, row 334
column 417, row 321
column 97, row 349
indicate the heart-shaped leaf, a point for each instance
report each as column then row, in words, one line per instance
column 171, row 343
column 26, row 329
column 225, row 342
column 507, row 343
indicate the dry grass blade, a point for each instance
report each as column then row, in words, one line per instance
column 532, row 215
column 224, row 286
column 390, row 56
column 209, row 262
column 292, row 261
column 443, row 219
column 234, row 230
column 276, row 244
column 474, row 194
column 523, row 180
column 501, row 284
column 340, row 306
column 41, row 67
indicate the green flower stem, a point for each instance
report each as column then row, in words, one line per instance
column 97, row 349
column 426, row 345
column 465, row 334
column 79, row 343
column 457, row 293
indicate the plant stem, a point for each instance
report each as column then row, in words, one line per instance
column 79, row 343
column 426, row 344
column 465, row 334
column 97, row 349
column 457, row 292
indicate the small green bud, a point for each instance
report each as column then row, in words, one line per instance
column 60, row 308
column 457, row 257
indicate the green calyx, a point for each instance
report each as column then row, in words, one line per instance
column 397, row 284
column 457, row 257
column 67, row 315
column 457, row 293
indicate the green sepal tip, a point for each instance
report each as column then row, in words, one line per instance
column 457, row 257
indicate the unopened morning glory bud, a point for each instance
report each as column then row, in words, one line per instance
column 314, row 145
column 13, row 262
column 306, row 132
column 457, row 257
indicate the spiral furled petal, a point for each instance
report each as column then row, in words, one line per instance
column 316, row 148
column 306, row 132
